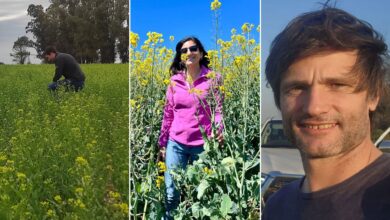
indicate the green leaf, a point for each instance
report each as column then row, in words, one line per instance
column 226, row 204
column 202, row 188
column 138, row 188
column 228, row 162
column 206, row 211
column 206, row 146
column 214, row 217
column 195, row 208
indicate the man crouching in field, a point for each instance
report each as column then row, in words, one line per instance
column 67, row 66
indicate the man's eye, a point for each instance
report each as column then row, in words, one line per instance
column 340, row 86
column 296, row 90
column 337, row 85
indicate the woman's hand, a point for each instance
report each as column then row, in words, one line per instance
column 161, row 154
column 219, row 139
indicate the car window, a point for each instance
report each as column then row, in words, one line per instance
column 273, row 135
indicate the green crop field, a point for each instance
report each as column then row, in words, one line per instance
column 63, row 155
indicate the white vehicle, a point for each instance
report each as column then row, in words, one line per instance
column 280, row 160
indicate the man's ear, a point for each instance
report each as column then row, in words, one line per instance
column 373, row 103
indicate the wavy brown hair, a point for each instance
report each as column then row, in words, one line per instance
column 329, row 29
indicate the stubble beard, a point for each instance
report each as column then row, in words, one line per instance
column 352, row 131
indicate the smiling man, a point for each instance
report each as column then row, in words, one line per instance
column 327, row 72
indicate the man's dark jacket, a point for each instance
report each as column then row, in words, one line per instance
column 67, row 66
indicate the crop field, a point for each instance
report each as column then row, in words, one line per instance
column 225, row 182
column 63, row 155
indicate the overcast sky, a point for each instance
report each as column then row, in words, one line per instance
column 13, row 21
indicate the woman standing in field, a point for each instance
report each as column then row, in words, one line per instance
column 188, row 110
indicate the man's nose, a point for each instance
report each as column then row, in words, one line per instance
column 316, row 101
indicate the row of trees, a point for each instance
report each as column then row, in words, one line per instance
column 91, row 30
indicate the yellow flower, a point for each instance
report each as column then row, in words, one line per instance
column 195, row 91
column 58, row 198
column 211, row 75
column 79, row 190
column 114, row 195
column 161, row 166
column 81, row 161
column 166, row 81
column 133, row 103
column 3, row 157
column 79, row 204
column 222, row 89
column 207, row 171
column 215, row 5
column 144, row 82
column 239, row 61
column 154, row 37
column 50, row 213
column 45, row 203
column 183, row 57
column 171, row 38
column 134, row 38
column 21, row 175
column 124, row 208
column 245, row 28
column 159, row 181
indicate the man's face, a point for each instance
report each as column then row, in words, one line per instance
column 322, row 113
column 50, row 57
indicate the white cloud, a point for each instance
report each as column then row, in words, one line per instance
column 13, row 21
column 13, row 16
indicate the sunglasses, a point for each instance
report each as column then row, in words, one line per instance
column 192, row 49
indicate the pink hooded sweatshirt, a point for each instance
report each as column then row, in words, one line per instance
column 187, row 108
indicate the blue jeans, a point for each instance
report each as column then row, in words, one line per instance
column 68, row 84
column 177, row 156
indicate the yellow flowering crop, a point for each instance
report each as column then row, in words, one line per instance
column 159, row 181
column 133, row 103
column 215, row 5
column 211, row 75
column 208, row 171
column 20, row 176
column 196, row 91
column 81, row 161
column 134, row 38
column 50, row 213
column 161, row 166
column 166, row 81
column 79, row 190
column 114, row 195
column 183, row 57
column 58, row 198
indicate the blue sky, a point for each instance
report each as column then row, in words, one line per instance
column 183, row 18
column 277, row 13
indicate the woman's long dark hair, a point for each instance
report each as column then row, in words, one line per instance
column 177, row 65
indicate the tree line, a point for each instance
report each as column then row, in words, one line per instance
column 91, row 30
